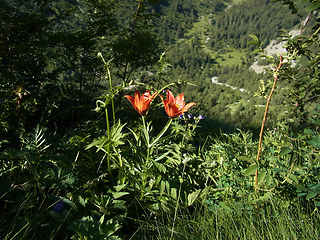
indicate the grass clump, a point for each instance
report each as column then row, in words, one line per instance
column 239, row 220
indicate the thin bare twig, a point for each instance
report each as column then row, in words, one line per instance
column 265, row 118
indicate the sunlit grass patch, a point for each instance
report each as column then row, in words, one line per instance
column 237, row 1
column 230, row 57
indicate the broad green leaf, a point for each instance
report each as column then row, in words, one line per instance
column 244, row 158
column 193, row 196
column 119, row 187
column 302, row 194
column 265, row 197
column 294, row 178
column 174, row 193
column 277, row 170
column 117, row 195
column 162, row 187
column 315, row 142
column 168, row 187
column 316, row 188
column 311, row 194
column 160, row 167
column 268, row 180
column 251, row 170
column 261, row 177
column 285, row 150
column 67, row 201
column 308, row 131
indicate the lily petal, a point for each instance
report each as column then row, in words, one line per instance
column 141, row 103
column 174, row 107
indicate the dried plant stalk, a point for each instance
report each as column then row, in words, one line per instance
column 265, row 118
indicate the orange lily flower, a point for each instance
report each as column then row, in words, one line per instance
column 175, row 106
column 141, row 102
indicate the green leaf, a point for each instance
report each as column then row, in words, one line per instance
column 265, row 197
column 110, row 228
column 162, row 187
column 82, row 201
column 250, row 170
column 315, row 142
column 254, row 37
column 277, row 170
column 160, row 167
column 67, row 201
column 117, row 195
column 301, row 194
column 193, row 196
column 313, row 6
column 255, row 41
column 134, row 134
column 311, row 194
column 285, row 151
column 244, row 158
column 316, row 187
column 261, row 177
column 294, row 178
column 101, row 219
column 162, row 156
column 69, row 181
column 174, row 193
column 256, row 50
column 268, row 180
column 168, row 187
column 119, row 187
column 308, row 131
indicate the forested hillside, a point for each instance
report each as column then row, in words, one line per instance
column 57, row 45
column 206, row 40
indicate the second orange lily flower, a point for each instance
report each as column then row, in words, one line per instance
column 174, row 107
column 141, row 102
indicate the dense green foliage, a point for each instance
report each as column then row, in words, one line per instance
column 52, row 48
column 78, row 162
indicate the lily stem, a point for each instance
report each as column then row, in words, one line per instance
column 161, row 133
column 108, row 147
column 112, row 103
column 146, row 135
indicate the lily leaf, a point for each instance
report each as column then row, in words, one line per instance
column 193, row 196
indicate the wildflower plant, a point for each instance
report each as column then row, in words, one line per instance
column 146, row 162
column 155, row 160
